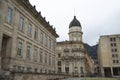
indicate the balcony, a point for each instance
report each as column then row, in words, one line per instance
column 77, row 50
column 66, row 50
column 72, row 57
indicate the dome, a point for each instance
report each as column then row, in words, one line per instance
column 74, row 22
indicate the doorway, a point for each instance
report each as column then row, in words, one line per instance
column 5, row 51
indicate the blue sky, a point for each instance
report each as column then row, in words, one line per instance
column 97, row 17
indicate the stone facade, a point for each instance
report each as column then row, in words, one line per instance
column 72, row 57
column 27, row 40
column 109, row 55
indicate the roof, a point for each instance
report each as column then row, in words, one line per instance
column 74, row 22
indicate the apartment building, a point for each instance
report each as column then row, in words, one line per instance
column 109, row 55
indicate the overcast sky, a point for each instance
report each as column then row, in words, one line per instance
column 97, row 17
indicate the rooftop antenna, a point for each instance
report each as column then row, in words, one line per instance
column 74, row 11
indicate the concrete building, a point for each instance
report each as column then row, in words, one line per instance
column 27, row 40
column 72, row 57
column 109, row 55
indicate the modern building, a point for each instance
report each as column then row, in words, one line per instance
column 109, row 55
column 27, row 40
column 72, row 57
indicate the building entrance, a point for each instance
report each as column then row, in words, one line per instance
column 107, row 72
column 5, row 51
column 116, row 71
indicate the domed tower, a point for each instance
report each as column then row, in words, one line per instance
column 75, row 30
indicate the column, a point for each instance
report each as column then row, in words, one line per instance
column 112, row 72
column 102, row 72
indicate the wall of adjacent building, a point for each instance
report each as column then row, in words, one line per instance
column 108, row 53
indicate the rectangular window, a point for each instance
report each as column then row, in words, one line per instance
column 28, row 52
column 49, row 59
column 20, row 48
column 21, row 24
column 41, row 38
column 45, row 57
column 59, row 70
column 113, row 39
column 49, row 43
column 59, row 63
column 53, row 60
column 29, row 30
column 36, row 34
column 9, row 15
column 46, row 42
column 41, row 56
column 116, row 55
column 115, row 50
column 59, row 55
column 113, row 55
column 35, row 55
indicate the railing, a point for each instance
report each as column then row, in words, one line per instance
column 77, row 49
column 66, row 50
column 72, row 57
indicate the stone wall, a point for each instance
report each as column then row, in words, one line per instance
column 37, row 76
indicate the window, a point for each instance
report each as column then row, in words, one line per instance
column 45, row 57
column 67, row 69
column 35, row 55
column 113, row 55
column 53, row 60
column 59, row 70
column 21, row 24
column 59, row 55
column 113, row 44
column 9, row 15
column 75, row 55
column 114, row 50
column 116, row 55
column 36, row 34
column 49, row 59
column 41, row 56
column 66, row 55
column 113, row 39
column 46, row 41
column 41, row 38
column 74, row 38
column 67, row 64
column 28, row 51
column 20, row 48
column 29, row 30
column 81, row 69
column 75, row 64
column 59, row 63
column 81, row 63
column 115, row 61
column 50, row 43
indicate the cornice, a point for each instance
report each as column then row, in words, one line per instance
column 37, row 15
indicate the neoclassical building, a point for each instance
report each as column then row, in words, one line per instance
column 27, row 40
column 72, row 57
column 109, row 55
